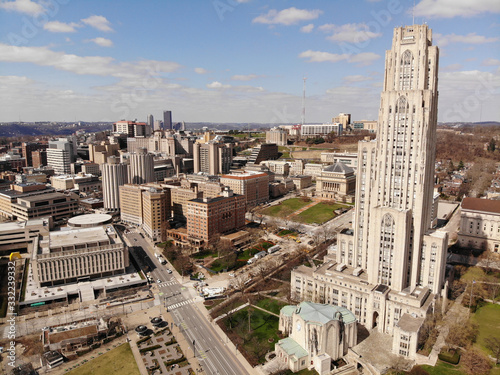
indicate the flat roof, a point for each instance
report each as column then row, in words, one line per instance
column 409, row 323
column 43, row 197
column 77, row 236
column 95, row 219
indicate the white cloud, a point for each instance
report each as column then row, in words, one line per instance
column 200, row 70
column 307, row 28
column 364, row 58
column 319, row 56
column 491, row 62
column 288, row 16
column 349, row 33
column 92, row 65
column 22, row 6
column 356, row 78
column 455, row 8
column 103, row 42
column 451, row 68
column 60, row 27
column 241, row 77
column 471, row 38
column 14, row 80
column 98, row 22
column 217, row 85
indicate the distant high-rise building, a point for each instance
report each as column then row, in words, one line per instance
column 60, row 155
column 114, row 175
column 167, row 120
column 389, row 269
column 158, row 125
column 141, row 167
column 150, row 121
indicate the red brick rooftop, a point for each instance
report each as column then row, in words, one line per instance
column 484, row 205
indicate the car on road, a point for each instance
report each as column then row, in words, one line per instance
column 158, row 281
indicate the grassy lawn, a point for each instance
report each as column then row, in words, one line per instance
column 443, row 368
column 117, row 361
column 250, row 252
column 270, row 304
column 261, row 338
column 319, row 213
column 285, row 155
column 285, row 208
column 488, row 318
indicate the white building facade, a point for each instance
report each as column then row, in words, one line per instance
column 392, row 262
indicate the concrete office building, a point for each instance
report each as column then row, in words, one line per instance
column 370, row 126
column 480, row 224
column 278, row 136
column 212, row 157
column 207, row 217
column 114, row 175
column 391, row 265
column 132, row 128
column 349, row 159
column 55, row 205
column 342, row 118
column 146, row 206
column 321, row 129
column 79, row 255
column 60, row 155
column 141, row 168
column 254, row 186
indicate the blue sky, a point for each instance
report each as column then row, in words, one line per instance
column 234, row 60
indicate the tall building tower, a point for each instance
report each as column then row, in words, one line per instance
column 141, row 167
column 167, row 120
column 395, row 193
column 60, row 155
column 114, row 175
column 389, row 269
column 150, row 121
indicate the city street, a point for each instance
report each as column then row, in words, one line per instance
column 213, row 354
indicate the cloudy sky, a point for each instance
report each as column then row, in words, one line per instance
column 234, row 60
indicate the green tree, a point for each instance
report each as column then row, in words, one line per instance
column 460, row 165
column 492, row 146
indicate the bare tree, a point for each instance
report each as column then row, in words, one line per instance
column 474, row 362
column 493, row 343
column 462, row 334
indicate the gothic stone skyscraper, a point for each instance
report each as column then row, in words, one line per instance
column 392, row 263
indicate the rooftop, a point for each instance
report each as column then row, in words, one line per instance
column 78, row 236
column 338, row 168
column 291, row 347
column 479, row 204
column 409, row 323
column 323, row 313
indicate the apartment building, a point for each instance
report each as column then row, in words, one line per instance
column 254, row 186
column 207, row 217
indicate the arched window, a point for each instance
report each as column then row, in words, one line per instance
column 386, row 252
column 406, row 70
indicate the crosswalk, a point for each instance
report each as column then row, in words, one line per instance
column 168, row 283
column 177, row 305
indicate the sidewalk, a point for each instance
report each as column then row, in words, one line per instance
column 203, row 310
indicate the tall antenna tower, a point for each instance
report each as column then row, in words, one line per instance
column 304, row 102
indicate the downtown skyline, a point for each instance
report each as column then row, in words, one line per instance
column 234, row 60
